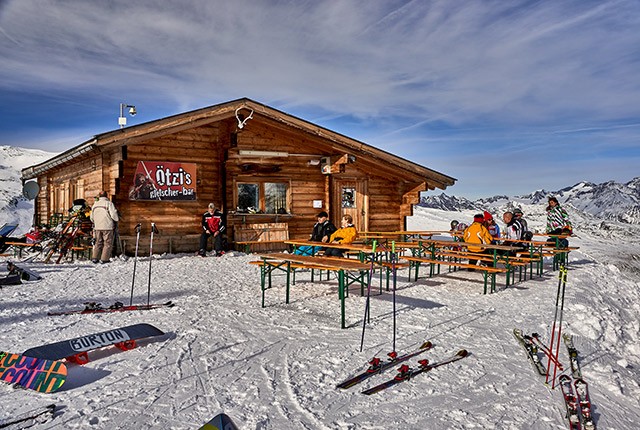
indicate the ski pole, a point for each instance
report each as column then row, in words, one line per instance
column 153, row 230
column 394, row 269
column 135, row 260
column 366, row 307
column 553, row 327
column 563, row 277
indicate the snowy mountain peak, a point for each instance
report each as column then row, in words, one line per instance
column 608, row 201
column 14, row 208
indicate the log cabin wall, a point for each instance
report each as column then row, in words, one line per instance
column 62, row 185
column 386, row 196
column 177, row 221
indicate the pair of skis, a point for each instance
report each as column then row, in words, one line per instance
column 29, row 419
column 576, row 398
column 405, row 373
column 96, row 308
column 578, row 403
column 575, row 390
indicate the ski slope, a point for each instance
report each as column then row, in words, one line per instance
column 277, row 367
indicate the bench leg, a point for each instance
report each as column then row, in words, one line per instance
column 342, row 296
column 288, row 281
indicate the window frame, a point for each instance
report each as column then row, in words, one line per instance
column 260, row 182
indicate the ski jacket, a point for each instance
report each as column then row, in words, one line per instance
column 494, row 230
column 514, row 230
column 477, row 233
column 212, row 222
column 321, row 230
column 344, row 235
column 104, row 214
column 557, row 218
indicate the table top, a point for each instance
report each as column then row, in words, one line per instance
column 329, row 262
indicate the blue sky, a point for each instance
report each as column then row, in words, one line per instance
column 506, row 96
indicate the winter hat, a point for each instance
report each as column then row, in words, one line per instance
column 517, row 211
column 487, row 216
column 478, row 218
column 322, row 214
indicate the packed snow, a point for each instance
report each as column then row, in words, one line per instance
column 277, row 367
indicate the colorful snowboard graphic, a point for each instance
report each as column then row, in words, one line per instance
column 75, row 350
column 220, row 422
column 37, row 374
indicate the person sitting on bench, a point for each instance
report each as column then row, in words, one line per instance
column 344, row 235
column 322, row 231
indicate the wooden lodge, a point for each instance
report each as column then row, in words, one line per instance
column 271, row 173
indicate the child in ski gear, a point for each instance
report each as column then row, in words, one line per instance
column 477, row 233
column 558, row 222
column 104, row 216
column 345, row 235
column 212, row 226
column 490, row 224
column 322, row 231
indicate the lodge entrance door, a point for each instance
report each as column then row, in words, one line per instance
column 349, row 196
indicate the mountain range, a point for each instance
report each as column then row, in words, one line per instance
column 606, row 201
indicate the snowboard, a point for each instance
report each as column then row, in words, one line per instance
column 220, row 422
column 24, row 273
column 38, row 374
column 75, row 350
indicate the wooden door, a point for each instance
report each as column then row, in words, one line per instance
column 350, row 197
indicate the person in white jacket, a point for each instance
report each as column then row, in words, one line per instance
column 104, row 216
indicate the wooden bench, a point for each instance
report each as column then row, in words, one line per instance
column 416, row 261
column 18, row 247
column 512, row 262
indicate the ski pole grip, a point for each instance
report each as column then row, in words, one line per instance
column 393, row 246
column 375, row 244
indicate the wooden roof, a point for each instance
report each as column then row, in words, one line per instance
column 369, row 155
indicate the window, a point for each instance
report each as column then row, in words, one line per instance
column 263, row 197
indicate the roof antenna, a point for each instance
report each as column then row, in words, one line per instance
column 242, row 122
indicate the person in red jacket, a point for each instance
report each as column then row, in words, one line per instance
column 212, row 226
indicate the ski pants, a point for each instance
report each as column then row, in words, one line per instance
column 103, row 245
column 217, row 241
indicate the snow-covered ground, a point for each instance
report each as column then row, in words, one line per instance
column 277, row 367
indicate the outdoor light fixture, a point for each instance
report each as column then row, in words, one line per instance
column 122, row 120
column 251, row 153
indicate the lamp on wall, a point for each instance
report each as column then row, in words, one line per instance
column 252, row 153
column 122, row 120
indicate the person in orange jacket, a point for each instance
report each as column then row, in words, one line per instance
column 477, row 233
column 345, row 235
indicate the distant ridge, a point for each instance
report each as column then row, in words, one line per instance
column 14, row 208
column 607, row 201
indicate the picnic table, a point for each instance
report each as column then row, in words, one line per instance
column 431, row 252
column 344, row 268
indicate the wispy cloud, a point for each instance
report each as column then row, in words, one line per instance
column 390, row 69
